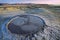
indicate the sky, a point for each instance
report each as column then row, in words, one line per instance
column 32, row 1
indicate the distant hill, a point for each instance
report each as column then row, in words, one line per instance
column 25, row 4
column 30, row 5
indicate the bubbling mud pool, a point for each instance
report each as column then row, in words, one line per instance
column 46, row 33
column 50, row 31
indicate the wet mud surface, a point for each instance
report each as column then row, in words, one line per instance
column 52, row 32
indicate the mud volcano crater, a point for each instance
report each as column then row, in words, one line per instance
column 26, row 24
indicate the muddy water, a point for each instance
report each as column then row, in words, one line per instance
column 51, row 18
